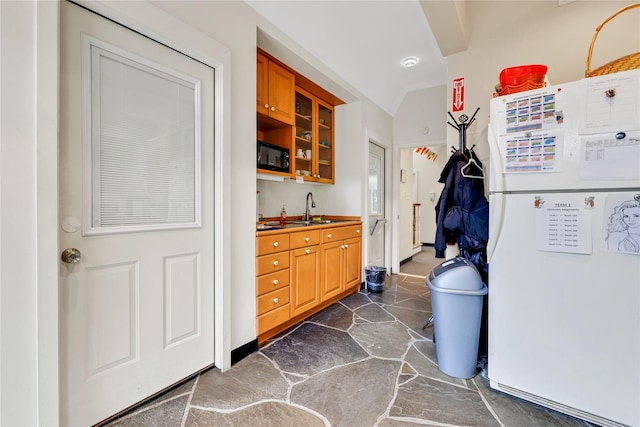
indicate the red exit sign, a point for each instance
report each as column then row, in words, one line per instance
column 458, row 94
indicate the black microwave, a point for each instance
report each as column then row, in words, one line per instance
column 272, row 157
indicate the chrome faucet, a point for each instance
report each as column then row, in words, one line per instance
column 307, row 216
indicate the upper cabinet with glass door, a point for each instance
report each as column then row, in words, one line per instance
column 297, row 115
column 313, row 148
column 325, row 150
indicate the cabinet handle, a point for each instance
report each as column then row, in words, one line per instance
column 276, row 244
column 273, row 108
column 306, row 239
column 275, row 282
column 342, row 247
column 358, row 231
column 275, row 300
column 346, row 246
column 275, row 263
column 266, row 106
column 308, row 251
column 329, row 236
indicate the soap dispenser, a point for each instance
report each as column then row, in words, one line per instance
column 283, row 215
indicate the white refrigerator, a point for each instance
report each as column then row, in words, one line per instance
column 564, row 274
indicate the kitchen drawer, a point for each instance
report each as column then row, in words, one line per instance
column 272, row 243
column 272, row 300
column 341, row 233
column 272, row 319
column 300, row 239
column 266, row 264
column 271, row 282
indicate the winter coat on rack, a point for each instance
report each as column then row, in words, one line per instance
column 462, row 213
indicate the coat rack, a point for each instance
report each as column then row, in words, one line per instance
column 461, row 126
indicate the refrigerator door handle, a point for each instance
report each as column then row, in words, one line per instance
column 496, row 206
column 497, row 168
column 496, row 217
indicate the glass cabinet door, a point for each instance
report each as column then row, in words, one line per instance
column 303, row 146
column 325, row 143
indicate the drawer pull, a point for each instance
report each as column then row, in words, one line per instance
column 275, row 263
column 276, row 244
column 358, row 231
column 308, row 251
column 276, row 281
column 275, row 300
column 306, row 239
column 329, row 236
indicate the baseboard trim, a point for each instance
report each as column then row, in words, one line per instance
column 243, row 351
column 406, row 260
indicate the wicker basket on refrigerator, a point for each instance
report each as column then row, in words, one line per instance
column 628, row 62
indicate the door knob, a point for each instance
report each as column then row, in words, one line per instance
column 71, row 255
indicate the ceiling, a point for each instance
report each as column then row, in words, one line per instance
column 363, row 42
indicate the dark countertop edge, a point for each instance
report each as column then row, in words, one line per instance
column 342, row 223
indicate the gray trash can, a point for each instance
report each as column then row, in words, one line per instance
column 375, row 278
column 456, row 302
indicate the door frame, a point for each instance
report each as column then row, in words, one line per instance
column 396, row 189
column 372, row 138
column 368, row 225
column 152, row 22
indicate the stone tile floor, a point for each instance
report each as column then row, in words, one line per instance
column 364, row 361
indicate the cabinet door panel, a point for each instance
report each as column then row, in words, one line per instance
column 305, row 272
column 353, row 262
column 262, row 84
column 281, row 94
column 330, row 278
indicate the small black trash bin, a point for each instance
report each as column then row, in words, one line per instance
column 375, row 278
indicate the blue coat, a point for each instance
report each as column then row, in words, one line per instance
column 462, row 213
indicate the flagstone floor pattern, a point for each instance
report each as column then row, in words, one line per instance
column 362, row 362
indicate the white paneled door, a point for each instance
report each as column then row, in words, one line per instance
column 136, row 217
column 375, row 206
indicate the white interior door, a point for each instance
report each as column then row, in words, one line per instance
column 136, row 206
column 375, row 206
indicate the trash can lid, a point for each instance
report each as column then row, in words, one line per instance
column 457, row 273
column 375, row 268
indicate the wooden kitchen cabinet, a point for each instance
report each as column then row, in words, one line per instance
column 298, row 273
column 305, row 271
column 272, row 281
column 313, row 153
column 275, row 91
column 341, row 261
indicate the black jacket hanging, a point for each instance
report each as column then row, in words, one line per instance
column 462, row 213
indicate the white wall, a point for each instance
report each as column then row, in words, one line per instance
column 28, row 213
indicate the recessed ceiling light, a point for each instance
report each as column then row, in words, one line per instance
column 409, row 61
